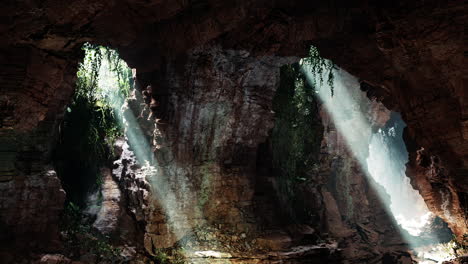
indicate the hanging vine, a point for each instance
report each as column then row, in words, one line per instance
column 319, row 67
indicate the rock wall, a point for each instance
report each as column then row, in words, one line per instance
column 439, row 189
column 199, row 192
column 35, row 88
column 202, row 191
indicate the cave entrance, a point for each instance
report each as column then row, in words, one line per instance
column 374, row 136
column 428, row 234
column 107, row 108
column 92, row 123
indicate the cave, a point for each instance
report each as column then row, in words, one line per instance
column 151, row 131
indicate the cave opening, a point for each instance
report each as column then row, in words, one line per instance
column 388, row 156
column 374, row 136
column 105, row 141
column 92, row 123
column 84, row 154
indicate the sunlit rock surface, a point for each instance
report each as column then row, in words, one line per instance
column 432, row 178
column 199, row 191
column 354, row 200
column 215, row 209
column 109, row 208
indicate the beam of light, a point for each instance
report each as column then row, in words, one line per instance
column 378, row 158
column 138, row 140
column 169, row 184
column 386, row 164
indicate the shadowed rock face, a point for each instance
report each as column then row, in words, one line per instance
column 407, row 55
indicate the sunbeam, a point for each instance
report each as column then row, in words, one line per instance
column 170, row 188
column 382, row 155
column 386, row 164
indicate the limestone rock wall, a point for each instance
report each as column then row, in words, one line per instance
column 199, row 192
column 213, row 114
column 35, row 88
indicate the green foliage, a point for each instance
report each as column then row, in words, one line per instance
column 102, row 86
column 169, row 256
column 100, row 60
column 81, row 237
column 295, row 137
column 318, row 65
column 160, row 257
column 91, row 124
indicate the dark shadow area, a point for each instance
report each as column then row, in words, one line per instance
column 82, row 149
column 287, row 161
